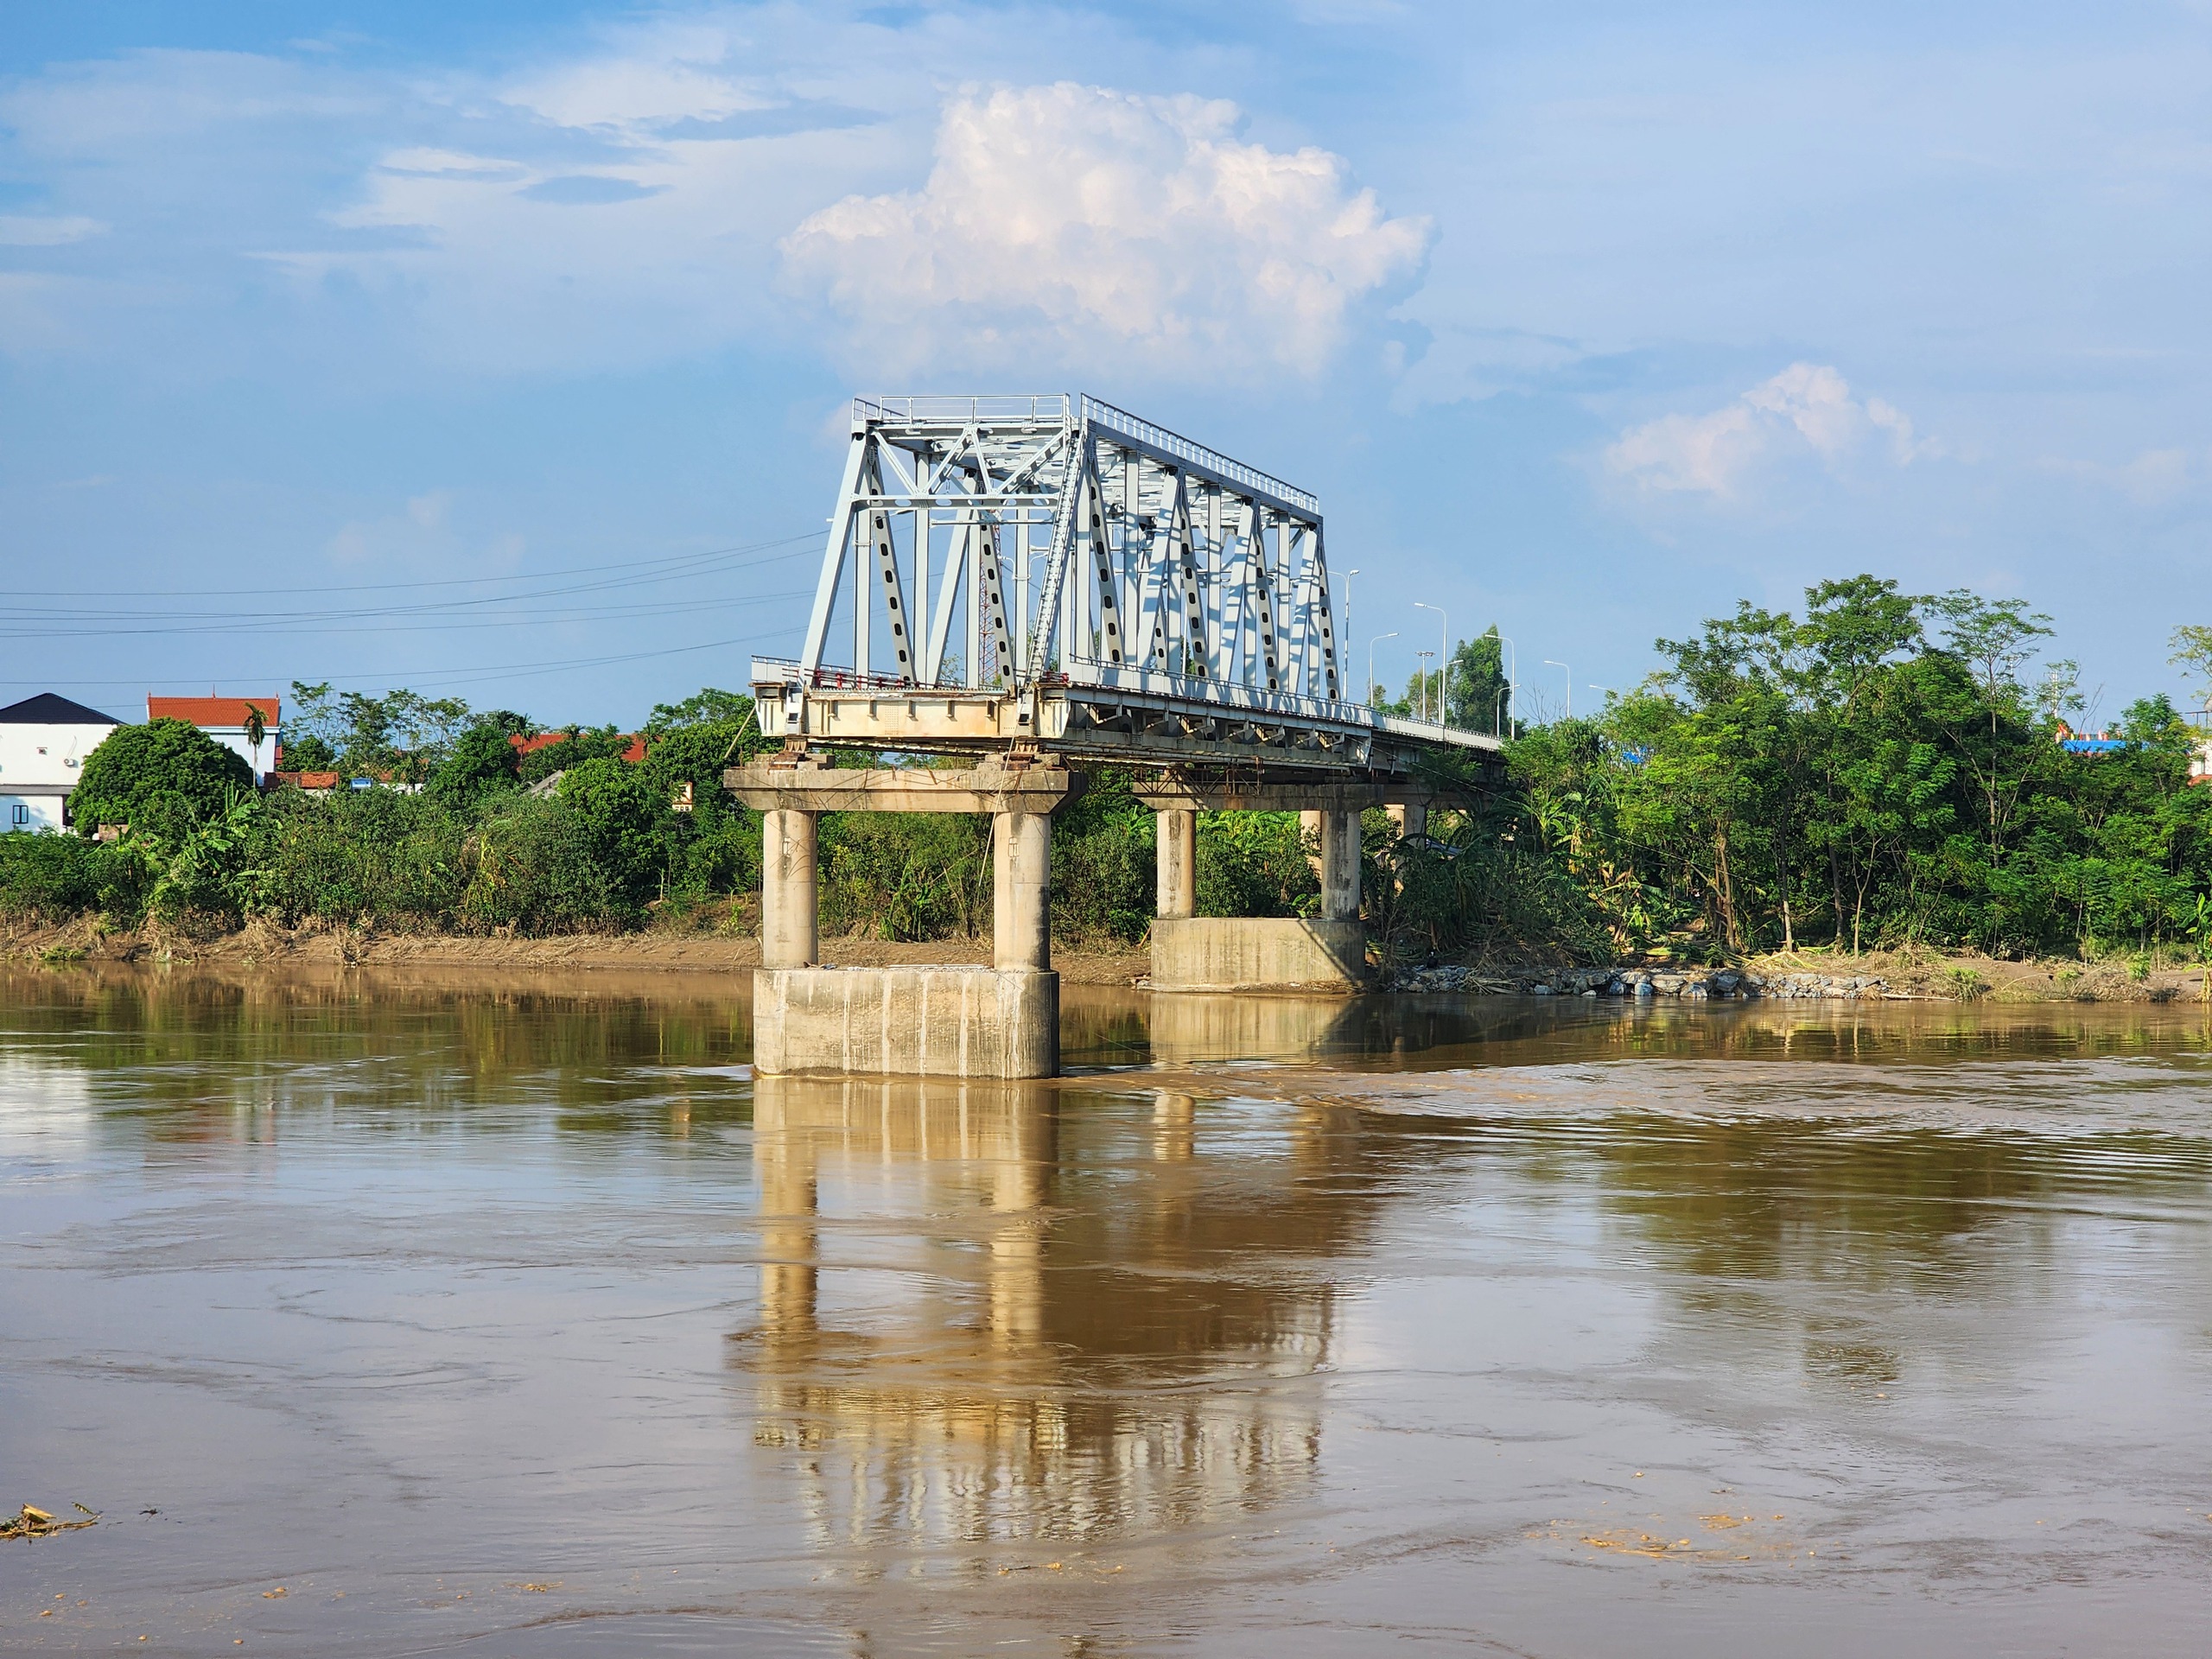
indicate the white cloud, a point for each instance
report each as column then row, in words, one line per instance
column 421, row 535
column 24, row 231
column 1089, row 227
column 2156, row 478
column 1806, row 411
column 673, row 72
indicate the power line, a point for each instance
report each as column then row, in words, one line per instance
column 390, row 586
column 108, row 617
column 472, row 673
column 632, row 612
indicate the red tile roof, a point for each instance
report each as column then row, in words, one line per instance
column 524, row 745
column 214, row 711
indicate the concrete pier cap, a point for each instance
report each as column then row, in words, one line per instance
column 1000, row 1022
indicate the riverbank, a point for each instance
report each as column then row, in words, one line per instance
column 1914, row 976
column 1896, row 976
column 265, row 946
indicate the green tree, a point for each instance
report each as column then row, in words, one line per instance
column 308, row 752
column 401, row 735
column 620, row 815
column 482, row 762
column 705, row 707
column 163, row 776
column 1477, row 689
column 2192, row 645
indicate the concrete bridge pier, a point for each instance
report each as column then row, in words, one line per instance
column 1192, row 952
column 1000, row 1022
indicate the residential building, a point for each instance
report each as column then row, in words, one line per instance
column 224, row 718
column 43, row 743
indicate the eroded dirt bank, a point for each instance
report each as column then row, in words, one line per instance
column 1919, row 975
column 261, row 945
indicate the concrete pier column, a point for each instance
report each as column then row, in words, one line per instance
column 1310, row 831
column 1339, row 866
column 1410, row 821
column 1022, row 880
column 790, row 897
column 1179, row 862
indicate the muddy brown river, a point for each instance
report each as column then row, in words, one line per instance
column 391, row 1314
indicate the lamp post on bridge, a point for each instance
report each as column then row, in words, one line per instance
column 1444, row 656
column 1349, row 634
column 1421, row 680
column 1512, row 683
column 1370, row 698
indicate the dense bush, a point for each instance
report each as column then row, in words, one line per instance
column 51, row 877
column 916, row 876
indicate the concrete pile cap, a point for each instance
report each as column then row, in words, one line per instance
column 1042, row 787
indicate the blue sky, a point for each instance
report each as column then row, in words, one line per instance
column 1583, row 319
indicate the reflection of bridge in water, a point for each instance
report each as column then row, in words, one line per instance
column 1052, row 1369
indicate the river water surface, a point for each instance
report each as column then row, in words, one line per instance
column 392, row 1315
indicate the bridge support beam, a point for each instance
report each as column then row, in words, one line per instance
column 1000, row 1022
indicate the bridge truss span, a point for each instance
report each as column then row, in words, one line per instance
column 1050, row 569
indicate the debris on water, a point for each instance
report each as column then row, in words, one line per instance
column 34, row 1522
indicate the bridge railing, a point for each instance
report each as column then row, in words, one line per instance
column 1038, row 408
column 1100, row 413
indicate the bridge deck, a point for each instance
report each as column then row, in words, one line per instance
column 1124, row 714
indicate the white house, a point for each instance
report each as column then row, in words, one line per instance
column 43, row 743
column 224, row 718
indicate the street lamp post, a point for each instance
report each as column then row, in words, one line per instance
column 1512, row 681
column 1348, row 633
column 1421, row 680
column 1444, row 656
column 1370, row 698
column 1549, row 662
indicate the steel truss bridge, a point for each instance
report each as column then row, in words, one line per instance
column 1013, row 573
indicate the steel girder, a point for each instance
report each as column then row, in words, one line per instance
column 1052, row 567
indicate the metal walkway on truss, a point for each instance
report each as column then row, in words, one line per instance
column 1006, row 574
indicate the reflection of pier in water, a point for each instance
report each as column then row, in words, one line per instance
column 1067, row 1370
